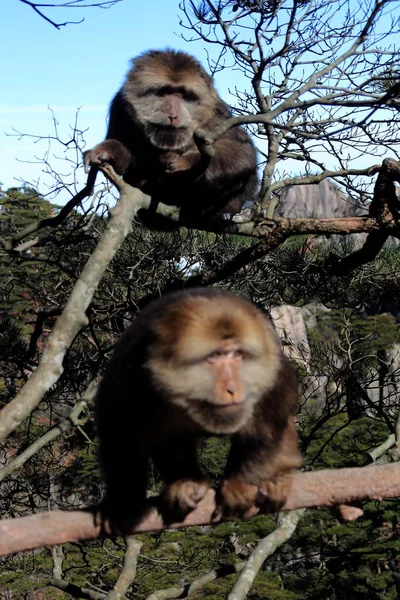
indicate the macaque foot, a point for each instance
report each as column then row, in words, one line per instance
column 116, row 515
column 180, row 498
column 236, row 499
column 109, row 151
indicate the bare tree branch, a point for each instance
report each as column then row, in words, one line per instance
column 53, row 221
column 267, row 546
column 128, row 572
column 184, row 591
column 73, row 316
column 77, row 592
column 320, row 488
column 73, row 420
column 39, row 7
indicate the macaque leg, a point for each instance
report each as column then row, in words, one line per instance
column 126, row 476
column 185, row 483
column 259, row 473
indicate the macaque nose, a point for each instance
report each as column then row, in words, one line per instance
column 232, row 393
column 172, row 118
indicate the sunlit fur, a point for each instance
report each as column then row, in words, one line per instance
column 156, row 71
column 166, row 97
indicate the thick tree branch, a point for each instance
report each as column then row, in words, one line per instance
column 261, row 228
column 73, row 317
column 385, row 207
column 320, row 488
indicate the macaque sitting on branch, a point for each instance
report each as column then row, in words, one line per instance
column 193, row 364
column 166, row 98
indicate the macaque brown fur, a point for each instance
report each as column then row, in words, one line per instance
column 193, row 364
column 166, row 97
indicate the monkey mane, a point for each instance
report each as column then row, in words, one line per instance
column 196, row 319
column 173, row 63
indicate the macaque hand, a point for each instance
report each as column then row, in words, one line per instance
column 181, row 497
column 172, row 162
column 273, row 494
column 109, row 151
column 236, row 499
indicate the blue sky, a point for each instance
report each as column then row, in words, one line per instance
column 78, row 66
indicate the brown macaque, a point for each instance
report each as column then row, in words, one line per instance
column 166, row 97
column 193, row 364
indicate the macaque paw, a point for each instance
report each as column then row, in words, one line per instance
column 236, row 499
column 272, row 495
column 172, row 162
column 109, row 151
column 181, row 497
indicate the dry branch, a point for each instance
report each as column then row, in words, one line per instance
column 76, row 591
column 262, row 228
column 128, row 571
column 73, row 317
column 53, row 221
column 321, row 488
column 267, row 546
column 185, row 590
column 248, row 569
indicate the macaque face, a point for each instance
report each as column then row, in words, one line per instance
column 166, row 114
column 170, row 104
column 222, row 361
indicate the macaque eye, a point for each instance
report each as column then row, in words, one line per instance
column 214, row 355
column 238, row 354
column 190, row 96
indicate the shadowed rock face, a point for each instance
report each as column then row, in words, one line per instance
column 291, row 322
column 322, row 200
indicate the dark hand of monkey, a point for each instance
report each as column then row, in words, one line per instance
column 172, row 162
column 239, row 499
column 236, row 499
column 180, row 498
column 273, row 494
column 109, row 151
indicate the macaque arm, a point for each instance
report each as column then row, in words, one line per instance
column 192, row 162
column 109, row 151
column 114, row 149
column 234, row 161
column 259, row 470
column 125, row 470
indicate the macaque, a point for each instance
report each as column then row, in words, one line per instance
column 166, row 97
column 197, row 363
